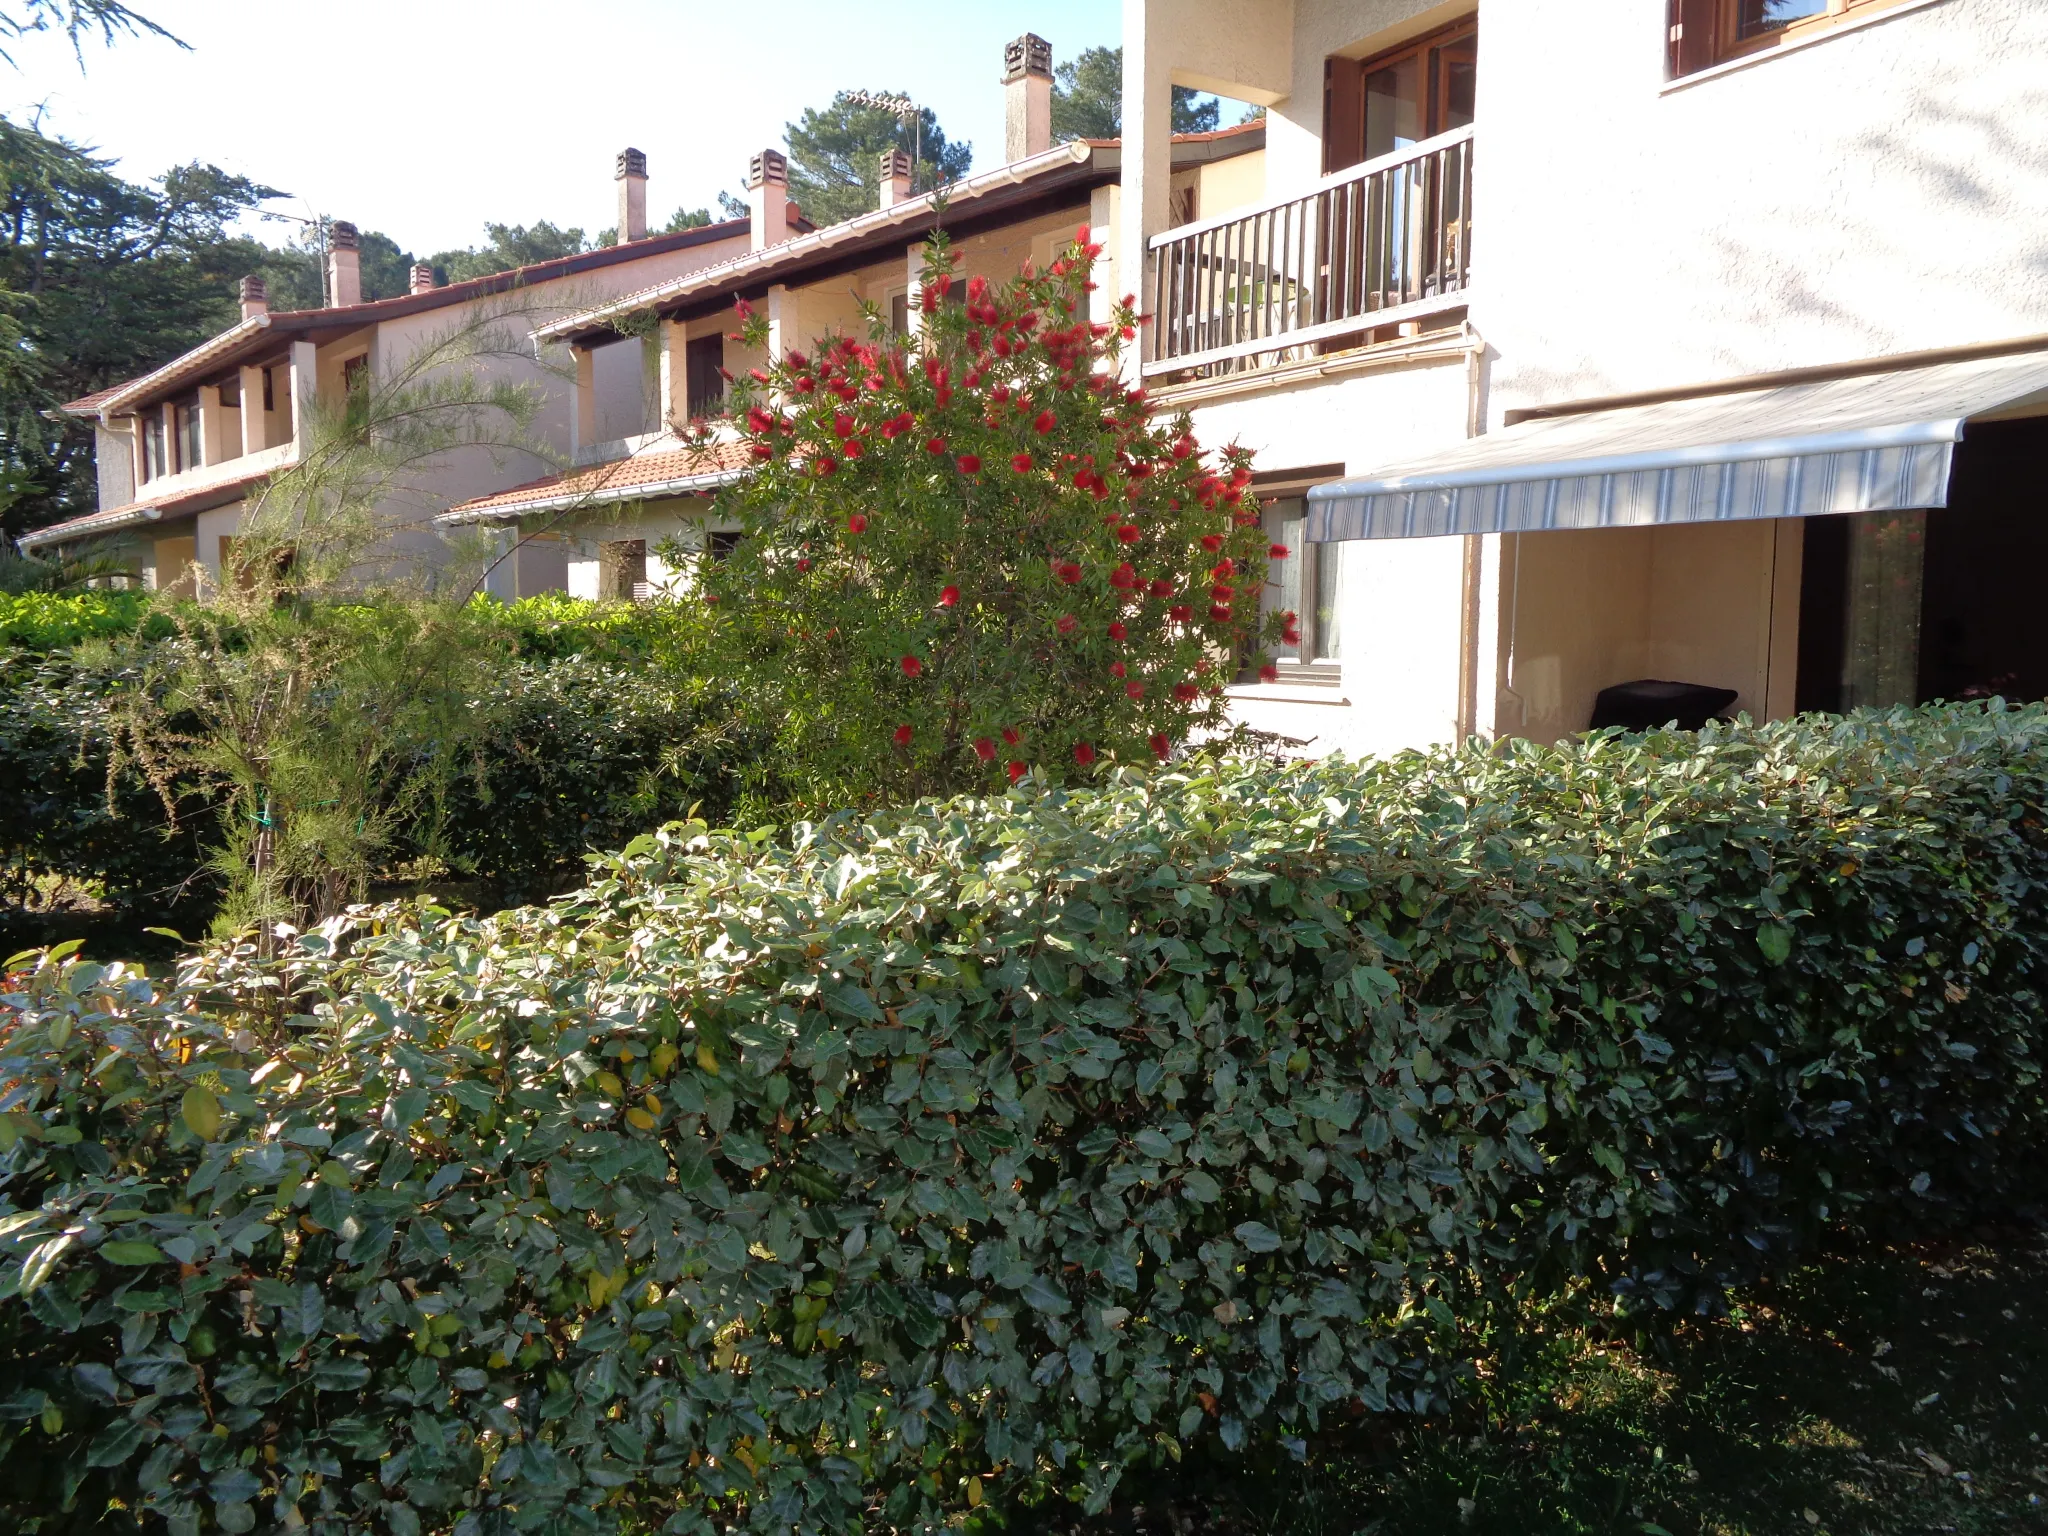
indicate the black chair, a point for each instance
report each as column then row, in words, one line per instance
column 1646, row 705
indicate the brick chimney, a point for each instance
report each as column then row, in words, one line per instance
column 255, row 297
column 895, row 177
column 1027, row 97
column 422, row 278
column 768, row 198
column 631, row 175
column 344, row 266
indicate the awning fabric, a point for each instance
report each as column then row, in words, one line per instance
column 1878, row 442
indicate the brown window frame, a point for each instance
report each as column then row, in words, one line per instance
column 1344, row 89
column 1704, row 33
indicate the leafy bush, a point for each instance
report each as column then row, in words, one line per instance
column 554, row 624
column 786, row 1184
column 981, row 553
column 53, row 621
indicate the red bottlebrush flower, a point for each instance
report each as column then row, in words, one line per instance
column 1187, row 693
column 1212, row 542
column 1084, row 753
column 1021, row 463
column 1083, row 478
column 853, row 449
column 1180, row 613
column 805, row 386
column 1123, row 578
column 1128, row 534
column 843, row 424
column 1000, row 394
column 935, row 445
column 1290, row 637
column 1290, row 618
column 1117, row 630
column 1017, row 771
column 1160, row 745
column 970, row 463
column 757, row 376
column 949, row 597
column 762, row 451
column 1184, row 448
column 1046, row 422
column 1135, row 690
column 1116, row 669
column 1010, row 736
column 743, row 309
column 1278, row 552
column 1065, row 623
column 977, row 289
column 1240, row 476
column 911, row 666
column 902, row 735
column 1160, row 587
column 928, row 300
column 984, row 749
column 857, row 523
column 825, row 465
column 1001, row 348
column 1219, row 613
column 711, row 598
column 1269, row 673
column 1225, row 567
column 1223, row 591
column 1067, row 572
column 803, row 564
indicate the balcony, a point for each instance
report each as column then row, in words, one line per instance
column 1382, row 243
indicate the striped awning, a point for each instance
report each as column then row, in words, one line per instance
column 1876, row 442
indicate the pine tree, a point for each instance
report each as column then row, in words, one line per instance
column 834, row 154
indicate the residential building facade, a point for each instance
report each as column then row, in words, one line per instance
column 182, row 450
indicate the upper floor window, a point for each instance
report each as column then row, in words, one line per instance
column 155, row 446
column 1375, row 106
column 191, row 437
column 704, row 384
column 1709, row 32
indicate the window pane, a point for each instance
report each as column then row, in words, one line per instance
column 1285, row 522
column 1460, row 87
column 1326, row 633
column 1758, row 18
column 1881, row 652
column 1393, row 106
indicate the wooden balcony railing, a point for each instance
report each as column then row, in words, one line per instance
column 1383, row 242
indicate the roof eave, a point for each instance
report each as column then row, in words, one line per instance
column 508, row 512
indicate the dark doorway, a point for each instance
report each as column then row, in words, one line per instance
column 1908, row 607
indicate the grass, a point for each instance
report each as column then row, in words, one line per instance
column 1870, row 1394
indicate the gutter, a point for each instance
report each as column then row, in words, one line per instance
column 513, row 510
column 90, row 526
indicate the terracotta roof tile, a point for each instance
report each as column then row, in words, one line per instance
column 85, row 405
column 614, row 480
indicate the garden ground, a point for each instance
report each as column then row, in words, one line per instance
column 1876, row 1394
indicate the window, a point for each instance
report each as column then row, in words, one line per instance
column 1392, row 100
column 155, row 446
column 1306, row 585
column 191, row 440
column 269, row 398
column 355, row 374
column 622, row 570
column 704, row 376
column 1708, row 32
column 720, row 543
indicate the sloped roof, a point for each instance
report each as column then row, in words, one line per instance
column 679, row 471
column 88, row 405
column 144, row 510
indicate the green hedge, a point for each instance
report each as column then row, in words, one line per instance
column 987, row 1147
column 52, row 621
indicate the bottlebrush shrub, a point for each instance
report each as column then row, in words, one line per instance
column 978, row 550
column 992, row 1145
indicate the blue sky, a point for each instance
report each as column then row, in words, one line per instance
column 424, row 119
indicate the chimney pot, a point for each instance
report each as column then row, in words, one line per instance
column 1027, row 97
column 255, row 297
column 895, row 176
column 344, row 266
column 631, row 174
column 422, row 278
column 768, row 198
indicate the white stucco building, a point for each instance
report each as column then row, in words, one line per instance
column 1615, row 340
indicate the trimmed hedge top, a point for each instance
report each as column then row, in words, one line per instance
column 791, row 1182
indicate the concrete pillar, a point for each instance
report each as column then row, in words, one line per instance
column 305, row 389
column 1104, row 208
column 1027, row 97
column 672, row 386
column 1147, row 144
column 913, row 265
column 785, row 324
column 344, row 266
column 582, row 400
column 895, row 174
column 253, row 440
column 213, row 431
column 631, row 175
column 768, row 198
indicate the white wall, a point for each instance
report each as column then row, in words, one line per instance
column 1882, row 190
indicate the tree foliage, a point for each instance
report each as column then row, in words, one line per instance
column 1088, row 94
column 835, row 153
column 505, row 247
column 980, row 551
column 100, row 280
column 77, row 20
column 984, row 1150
